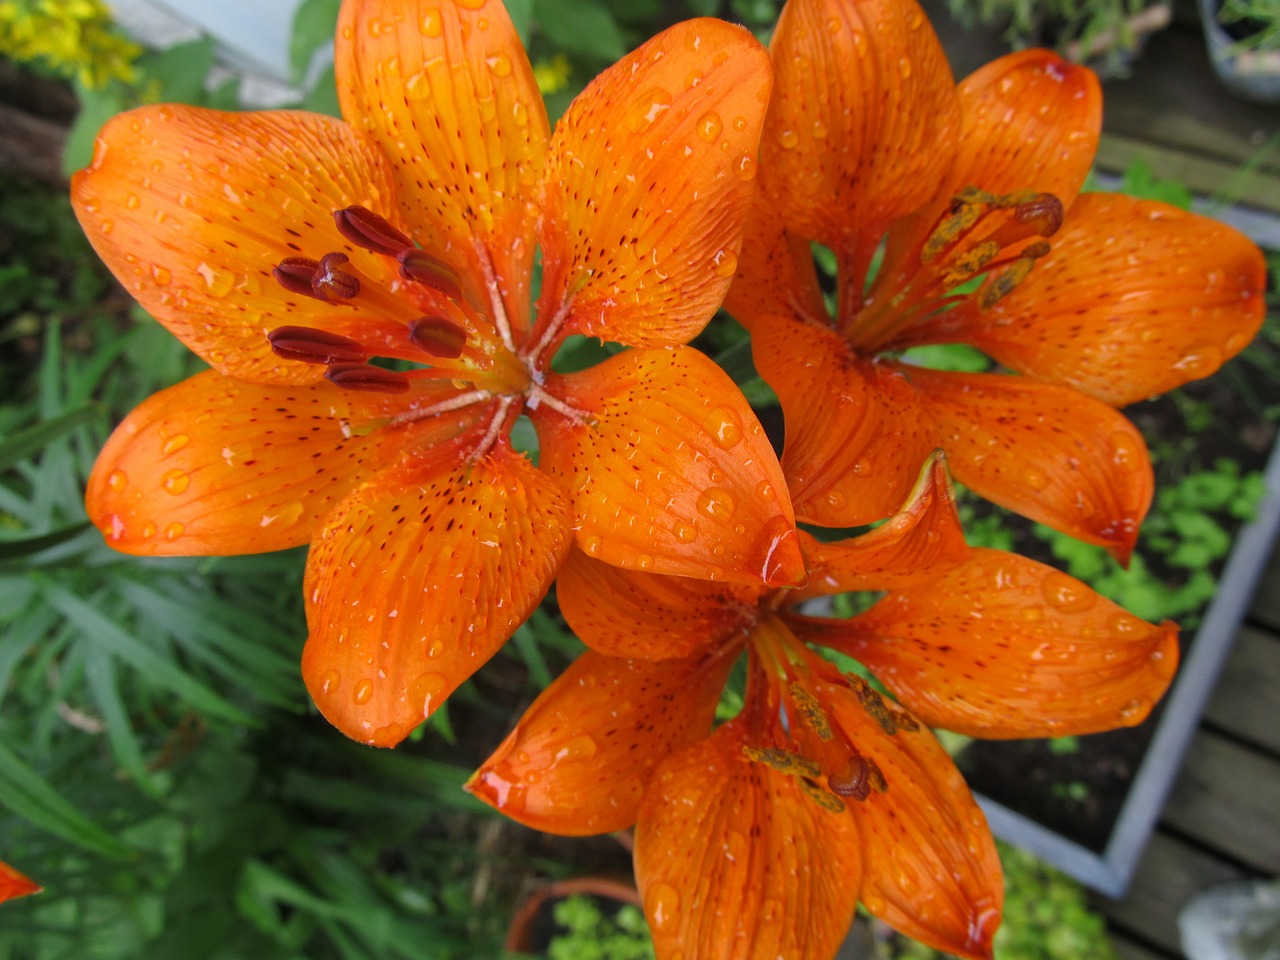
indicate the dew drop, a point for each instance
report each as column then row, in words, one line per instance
column 819, row 130
column 763, row 558
column 1035, row 479
column 363, row 692
column 160, row 275
column 724, row 428
column 1067, row 594
column 500, row 64
column 217, row 282
column 430, row 24
column 746, row 167
column 1033, row 614
column 174, row 530
column 428, row 688
column 1124, row 450
column 329, row 681
column 661, row 904
column 717, row 503
column 709, row 126
column 106, row 227
column 693, row 79
column 835, row 499
column 417, row 86
column 766, row 492
column 117, row 481
column 644, row 561
column 148, row 530
column 685, row 533
column 581, row 747
column 591, row 545
column 648, row 108
column 788, row 139
column 1133, row 711
column 175, row 443
column 904, row 68
column 175, row 481
column 131, row 201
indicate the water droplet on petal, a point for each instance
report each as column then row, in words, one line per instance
column 591, row 545
column 428, row 690
column 709, row 126
column 329, row 681
column 819, row 130
column 726, row 263
column 1125, row 451
column 1133, row 711
column 175, row 443
column 174, row 530
column 904, row 68
column 1066, row 593
column 1035, row 479
column 684, row 532
column 117, row 481
column 723, row 426
column 766, row 492
column 175, row 481
column 500, row 64
column 581, row 747
column 363, row 692
column 648, row 108
column 644, row 561
column 788, row 139
column 717, row 504
column 431, row 24
column 217, row 282
column 746, row 167
column 661, row 904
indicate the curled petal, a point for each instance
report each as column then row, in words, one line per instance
column 418, row 577
column 669, row 471
column 921, row 541
column 856, row 436
column 1134, row 298
column 650, row 177
column 735, row 861
column 930, row 865
column 13, row 884
column 1047, row 452
column 192, row 209
column 578, row 761
column 625, row 613
column 1003, row 647
column 446, row 90
column 217, row 467
column 862, row 126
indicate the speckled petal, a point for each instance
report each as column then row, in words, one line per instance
column 776, row 275
column 669, row 471
column 625, row 613
column 736, row 862
column 856, row 436
column 578, row 761
column 649, row 181
column 192, row 208
column 921, row 541
column 930, row 865
column 418, row 577
column 1006, row 647
column 13, row 884
column 1135, row 298
column 1048, row 452
column 216, row 466
column 863, row 122
column 446, row 89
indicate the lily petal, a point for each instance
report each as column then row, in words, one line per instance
column 191, row 209
column 625, row 613
column 923, row 540
column 735, row 862
column 930, row 865
column 418, row 577
column 1004, row 647
column 446, row 89
column 669, row 471
column 216, row 467
column 14, row 884
column 578, row 761
column 863, row 123
column 1168, row 297
column 650, row 178
column 856, row 436
column 776, row 274
column 1047, row 452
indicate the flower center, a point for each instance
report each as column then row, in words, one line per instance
column 979, row 234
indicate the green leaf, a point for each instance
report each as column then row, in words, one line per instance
column 27, row 546
column 25, row 443
column 580, row 26
column 323, row 95
column 31, row 797
column 314, row 24
column 96, row 108
column 521, row 14
column 181, row 70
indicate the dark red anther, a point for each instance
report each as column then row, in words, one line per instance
column 367, row 229
column 1043, row 213
column 331, row 282
column 362, row 376
column 853, row 781
column 438, row 337
column 295, row 274
column 315, row 346
column 423, row 268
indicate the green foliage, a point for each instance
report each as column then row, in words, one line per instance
column 1260, row 17
column 590, row 935
column 1024, row 21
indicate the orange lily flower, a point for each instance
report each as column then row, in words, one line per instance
column 1097, row 300
column 289, row 250
column 13, row 884
column 759, row 839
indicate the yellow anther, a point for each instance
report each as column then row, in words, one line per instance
column 792, row 764
column 811, row 711
column 827, row 801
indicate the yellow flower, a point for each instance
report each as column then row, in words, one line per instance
column 552, row 75
column 75, row 38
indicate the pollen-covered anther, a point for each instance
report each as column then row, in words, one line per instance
column 888, row 719
column 371, row 231
column 438, row 337
column 362, row 376
column 792, row 764
column 811, row 711
column 421, row 267
column 332, row 281
column 315, row 346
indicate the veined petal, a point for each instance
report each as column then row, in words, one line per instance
column 735, row 862
column 191, row 209
column 418, row 577
column 1134, row 298
column 669, row 471
column 650, row 178
column 13, row 884
column 856, row 437
column 930, row 865
column 578, row 761
column 776, row 275
column 1003, row 646
column 1047, row 452
column 625, row 613
column 215, row 466
column 862, row 126
column 446, row 89
column 921, row 541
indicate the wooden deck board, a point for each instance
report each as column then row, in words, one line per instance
column 1226, row 797
column 1127, row 949
column 1265, row 610
column 1244, row 702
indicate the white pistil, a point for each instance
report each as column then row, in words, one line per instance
column 500, row 321
column 495, row 428
column 553, row 328
column 538, row 395
column 444, row 406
